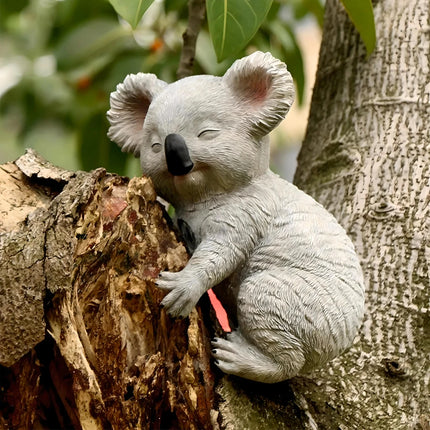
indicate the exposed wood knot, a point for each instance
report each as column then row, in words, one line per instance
column 383, row 210
column 393, row 368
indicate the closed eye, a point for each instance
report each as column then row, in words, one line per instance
column 210, row 132
column 156, row 147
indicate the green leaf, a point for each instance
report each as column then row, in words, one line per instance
column 90, row 40
column 233, row 23
column 131, row 10
column 206, row 56
column 175, row 5
column 361, row 14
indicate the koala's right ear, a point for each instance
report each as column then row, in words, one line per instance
column 128, row 108
column 264, row 89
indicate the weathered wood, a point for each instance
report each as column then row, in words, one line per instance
column 118, row 361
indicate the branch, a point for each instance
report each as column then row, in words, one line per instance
column 196, row 15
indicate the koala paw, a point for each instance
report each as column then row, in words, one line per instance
column 229, row 353
column 237, row 356
column 183, row 294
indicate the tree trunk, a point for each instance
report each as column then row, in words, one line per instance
column 366, row 158
column 80, row 252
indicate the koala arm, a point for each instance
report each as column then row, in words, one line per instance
column 225, row 245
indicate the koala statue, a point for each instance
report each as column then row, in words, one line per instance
column 292, row 278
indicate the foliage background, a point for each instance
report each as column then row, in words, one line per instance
column 59, row 61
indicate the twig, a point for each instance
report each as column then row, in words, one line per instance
column 196, row 15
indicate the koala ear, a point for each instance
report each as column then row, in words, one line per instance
column 263, row 87
column 128, row 108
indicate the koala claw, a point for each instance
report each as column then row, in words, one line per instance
column 227, row 356
column 221, row 345
column 235, row 355
column 167, row 281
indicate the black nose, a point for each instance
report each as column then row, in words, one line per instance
column 177, row 156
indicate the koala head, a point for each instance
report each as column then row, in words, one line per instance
column 202, row 135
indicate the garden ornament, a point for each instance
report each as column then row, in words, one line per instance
column 290, row 276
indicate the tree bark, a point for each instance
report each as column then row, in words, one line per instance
column 366, row 158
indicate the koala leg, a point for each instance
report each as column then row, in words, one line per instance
column 266, row 346
column 237, row 356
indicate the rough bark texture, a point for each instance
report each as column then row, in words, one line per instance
column 366, row 158
column 82, row 252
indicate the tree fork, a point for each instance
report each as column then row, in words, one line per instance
column 79, row 253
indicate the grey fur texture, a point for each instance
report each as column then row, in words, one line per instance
column 292, row 279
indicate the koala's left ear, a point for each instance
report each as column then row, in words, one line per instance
column 263, row 87
column 128, row 108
